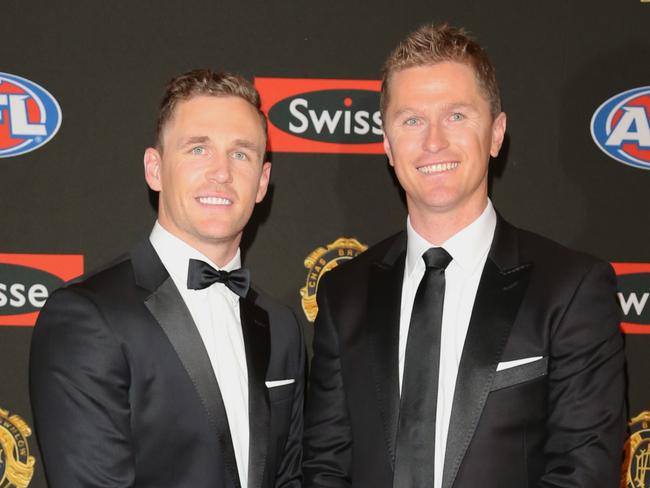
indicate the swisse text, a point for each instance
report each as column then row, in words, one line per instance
column 28, row 280
column 326, row 115
column 353, row 122
column 18, row 295
column 24, row 289
column 343, row 116
column 634, row 296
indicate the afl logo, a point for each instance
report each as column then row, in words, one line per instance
column 29, row 116
column 621, row 127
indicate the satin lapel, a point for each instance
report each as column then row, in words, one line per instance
column 169, row 309
column 384, row 302
column 257, row 341
column 495, row 307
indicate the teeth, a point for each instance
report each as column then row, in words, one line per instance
column 214, row 201
column 437, row 168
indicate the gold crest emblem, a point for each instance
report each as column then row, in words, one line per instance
column 319, row 262
column 636, row 467
column 16, row 465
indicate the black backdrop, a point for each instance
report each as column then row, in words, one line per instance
column 106, row 62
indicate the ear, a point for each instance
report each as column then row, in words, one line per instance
column 265, row 177
column 387, row 149
column 498, row 133
column 152, row 162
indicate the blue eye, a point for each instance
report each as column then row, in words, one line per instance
column 411, row 121
column 456, row 116
column 198, row 151
column 241, row 156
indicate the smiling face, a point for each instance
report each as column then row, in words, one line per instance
column 439, row 136
column 209, row 172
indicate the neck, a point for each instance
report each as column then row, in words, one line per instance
column 438, row 227
column 219, row 255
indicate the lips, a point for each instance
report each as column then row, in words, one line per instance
column 439, row 167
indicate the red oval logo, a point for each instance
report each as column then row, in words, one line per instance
column 322, row 116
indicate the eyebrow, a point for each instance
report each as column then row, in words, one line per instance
column 463, row 105
column 246, row 144
column 445, row 106
column 193, row 140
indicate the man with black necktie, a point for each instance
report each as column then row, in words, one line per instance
column 462, row 352
column 167, row 369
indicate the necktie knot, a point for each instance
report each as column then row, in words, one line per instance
column 200, row 275
column 436, row 257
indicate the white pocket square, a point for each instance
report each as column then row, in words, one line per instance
column 274, row 383
column 517, row 362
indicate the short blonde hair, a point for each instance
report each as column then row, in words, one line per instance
column 431, row 44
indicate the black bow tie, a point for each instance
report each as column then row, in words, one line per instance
column 201, row 275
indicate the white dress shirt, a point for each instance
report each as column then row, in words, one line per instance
column 215, row 311
column 469, row 249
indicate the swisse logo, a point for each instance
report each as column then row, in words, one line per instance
column 29, row 115
column 312, row 116
column 634, row 296
column 621, row 127
column 322, row 116
column 24, row 289
column 27, row 280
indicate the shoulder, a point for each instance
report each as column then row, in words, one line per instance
column 128, row 278
column 545, row 251
column 556, row 265
column 118, row 271
column 79, row 314
column 113, row 281
column 98, row 297
column 358, row 268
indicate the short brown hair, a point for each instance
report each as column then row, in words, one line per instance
column 205, row 82
column 431, row 44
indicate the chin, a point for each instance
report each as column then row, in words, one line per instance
column 215, row 236
column 218, row 233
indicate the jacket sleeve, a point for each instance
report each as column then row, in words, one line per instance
column 328, row 442
column 586, row 416
column 79, row 381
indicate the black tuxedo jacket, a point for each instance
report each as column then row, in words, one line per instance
column 124, row 395
column 555, row 422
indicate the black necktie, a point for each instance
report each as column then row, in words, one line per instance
column 417, row 414
column 201, row 275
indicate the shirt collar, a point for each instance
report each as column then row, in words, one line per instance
column 176, row 254
column 467, row 247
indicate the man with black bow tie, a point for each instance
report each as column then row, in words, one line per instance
column 462, row 352
column 167, row 368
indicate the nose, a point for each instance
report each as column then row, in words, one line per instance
column 219, row 170
column 435, row 138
